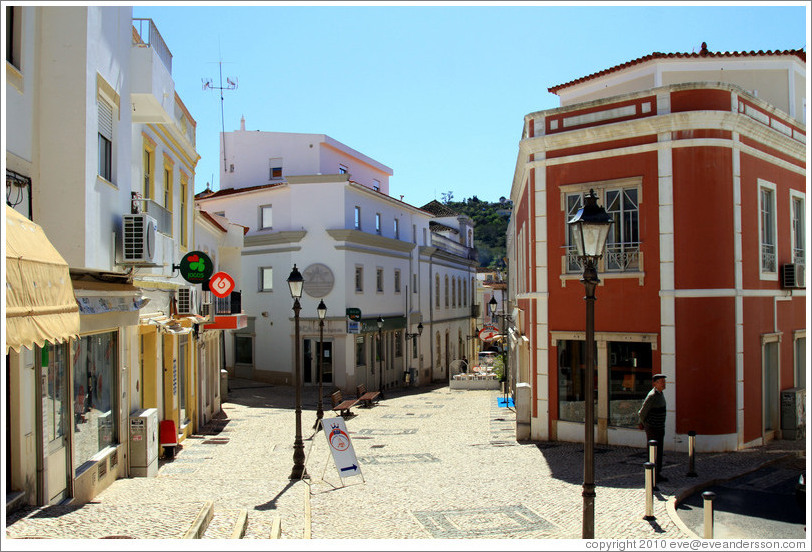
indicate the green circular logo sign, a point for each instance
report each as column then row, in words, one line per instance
column 196, row 267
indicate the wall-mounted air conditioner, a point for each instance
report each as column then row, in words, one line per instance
column 138, row 238
column 205, row 309
column 793, row 276
column 187, row 300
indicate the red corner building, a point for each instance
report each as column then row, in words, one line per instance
column 700, row 159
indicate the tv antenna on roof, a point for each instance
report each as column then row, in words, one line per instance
column 230, row 85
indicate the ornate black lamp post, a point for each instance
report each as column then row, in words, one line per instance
column 590, row 227
column 380, row 354
column 322, row 310
column 296, row 283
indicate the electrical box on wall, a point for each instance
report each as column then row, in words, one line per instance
column 144, row 443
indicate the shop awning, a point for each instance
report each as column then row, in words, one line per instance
column 228, row 322
column 95, row 297
column 40, row 305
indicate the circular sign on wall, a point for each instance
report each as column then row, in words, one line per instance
column 318, row 280
column 196, row 267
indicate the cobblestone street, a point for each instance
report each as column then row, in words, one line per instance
column 436, row 464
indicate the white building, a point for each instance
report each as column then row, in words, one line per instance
column 92, row 118
column 311, row 201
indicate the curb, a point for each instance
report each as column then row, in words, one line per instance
column 240, row 525
column 201, row 522
column 685, row 492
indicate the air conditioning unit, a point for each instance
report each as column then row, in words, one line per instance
column 187, row 300
column 138, row 240
column 793, row 276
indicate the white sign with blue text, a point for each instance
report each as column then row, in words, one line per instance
column 341, row 447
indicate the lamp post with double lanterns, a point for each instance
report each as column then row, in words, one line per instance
column 590, row 228
column 296, row 283
column 322, row 311
column 380, row 355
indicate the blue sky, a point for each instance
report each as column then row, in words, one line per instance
column 436, row 92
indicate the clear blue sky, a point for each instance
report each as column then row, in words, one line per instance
column 436, row 92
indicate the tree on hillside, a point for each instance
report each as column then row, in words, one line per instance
column 490, row 230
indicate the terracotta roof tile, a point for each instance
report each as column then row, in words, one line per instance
column 703, row 53
column 229, row 191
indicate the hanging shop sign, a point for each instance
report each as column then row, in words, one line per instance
column 488, row 333
column 354, row 314
column 221, row 284
column 196, row 267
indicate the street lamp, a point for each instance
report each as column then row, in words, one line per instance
column 503, row 332
column 295, row 283
column 414, row 337
column 590, row 228
column 322, row 310
column 380, row 355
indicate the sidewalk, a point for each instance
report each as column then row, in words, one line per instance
column 436, row 464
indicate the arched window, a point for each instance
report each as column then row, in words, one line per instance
column 437, row 290
column 446, row 291
column 454, row 291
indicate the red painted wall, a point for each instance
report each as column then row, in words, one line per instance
column 753, row 169
column 705, row 365
column 623, row 305
column 700, row 100
column 703, row 218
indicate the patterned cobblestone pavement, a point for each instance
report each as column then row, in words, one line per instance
column 436, row 464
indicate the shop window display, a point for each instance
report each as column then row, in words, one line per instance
column 629, row 381
column 572, row 381
column 95, row 363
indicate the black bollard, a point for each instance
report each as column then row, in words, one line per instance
column 691, row 453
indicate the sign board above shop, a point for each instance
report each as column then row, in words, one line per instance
column 354, row 314
column 195, row 267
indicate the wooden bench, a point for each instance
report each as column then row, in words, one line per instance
column 340, row 405
column 366, row 397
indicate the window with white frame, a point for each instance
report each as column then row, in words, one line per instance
column 342, row 169
column 767, row 227
column 275, row 168
column 376, row 184
column 800, row 358
column 105, row 140
column 622, row 203
column 379, row 280
column 623, row 241
column 397, row 280
column 265, row 278
column 377, row 223
column 359, row 278
column 798, row 228
column 437, row 290
column 265, row 217
column 396, row 228
column 357, row 218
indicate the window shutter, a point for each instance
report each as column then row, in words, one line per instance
column 105, row 119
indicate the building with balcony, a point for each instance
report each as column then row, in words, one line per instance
column 313, row 202
column 101, row 156
column 700, row 161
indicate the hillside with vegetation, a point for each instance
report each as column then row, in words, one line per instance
column 490, row 230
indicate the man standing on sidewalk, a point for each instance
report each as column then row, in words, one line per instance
column 652, row 419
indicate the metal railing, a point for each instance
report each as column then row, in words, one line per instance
column 231, row 304
column 618, row 257
column 453, row 247
column 163, row 218
column 768, row 261
column 149, row 36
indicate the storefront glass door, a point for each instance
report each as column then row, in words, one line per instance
column 55, row 416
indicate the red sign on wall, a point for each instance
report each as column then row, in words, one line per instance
column 221, row 284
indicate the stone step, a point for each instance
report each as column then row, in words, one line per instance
column 227, row 523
